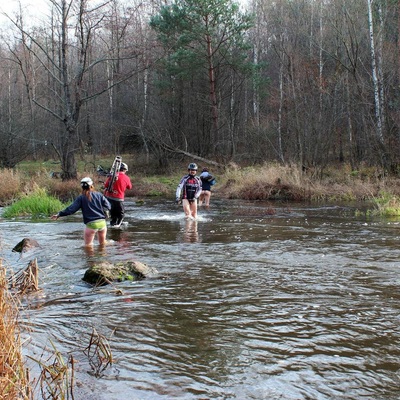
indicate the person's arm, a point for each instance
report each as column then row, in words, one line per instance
column 129, row 183
column 105, row 203
column 198, row 190
column 178, row 194
column 72, row 209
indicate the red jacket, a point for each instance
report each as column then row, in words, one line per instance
column 121, row 184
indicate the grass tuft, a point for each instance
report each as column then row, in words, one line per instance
column 387, row 205
column 36, row 204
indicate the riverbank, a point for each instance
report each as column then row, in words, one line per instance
column 265, row 182
column 268, row 182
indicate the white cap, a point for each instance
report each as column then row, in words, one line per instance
column 86, row 181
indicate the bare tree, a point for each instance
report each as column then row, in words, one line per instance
column 65, row 53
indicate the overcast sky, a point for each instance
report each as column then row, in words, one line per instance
column 31, row 8
column 34, row 10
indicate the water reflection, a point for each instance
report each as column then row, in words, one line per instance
column 302, row 304
column 99, row 250
column 191, row 234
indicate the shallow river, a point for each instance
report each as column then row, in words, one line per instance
column 301, row 304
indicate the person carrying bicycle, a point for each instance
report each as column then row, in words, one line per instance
column 116, row 195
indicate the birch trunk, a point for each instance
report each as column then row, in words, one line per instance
column 280, row 111
column 377, row 98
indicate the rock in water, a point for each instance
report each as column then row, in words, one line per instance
column 104, row 273
column 25, row 244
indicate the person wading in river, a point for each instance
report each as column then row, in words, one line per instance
column 116, row 195
column 93, row 205
column 207, row 180
column 188, row 191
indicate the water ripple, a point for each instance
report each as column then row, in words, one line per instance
column 303, row 304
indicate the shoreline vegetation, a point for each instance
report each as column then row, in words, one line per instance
column 14, row 379
column 36, row 189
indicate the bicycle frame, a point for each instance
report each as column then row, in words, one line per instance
column 114, row 171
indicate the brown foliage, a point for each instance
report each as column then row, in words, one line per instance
column 63, row 190
column 264, row 182
column 13, row 377
column 11, row 186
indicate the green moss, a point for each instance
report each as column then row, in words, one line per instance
column 126, row 277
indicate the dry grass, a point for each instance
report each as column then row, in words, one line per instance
column 20, row 184
column 65, row 191
column 14, row 383
column 56, row 380
column 11, row 185
column 99, row 353
column 27, row 280
column 270, row 181
column 293, row 183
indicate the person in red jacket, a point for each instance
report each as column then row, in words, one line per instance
column 116, row 195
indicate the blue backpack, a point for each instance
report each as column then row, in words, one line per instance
column 209, row 179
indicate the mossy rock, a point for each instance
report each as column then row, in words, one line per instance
column 104, row 273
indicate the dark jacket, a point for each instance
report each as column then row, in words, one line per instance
column 206, row 180
column 91, row 210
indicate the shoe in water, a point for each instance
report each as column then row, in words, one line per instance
column 118, row 223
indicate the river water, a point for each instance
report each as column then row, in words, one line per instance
column 250, row 302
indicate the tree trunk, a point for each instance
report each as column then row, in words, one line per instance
column 377, row 98
column 211, row 81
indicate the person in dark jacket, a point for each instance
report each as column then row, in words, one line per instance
column 207, row 180
column 94, row 206
column 188, row 191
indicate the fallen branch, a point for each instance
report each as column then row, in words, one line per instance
column 191, row 155
column 27, row 280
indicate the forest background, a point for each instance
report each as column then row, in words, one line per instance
column 309, row 83
column 285, row 93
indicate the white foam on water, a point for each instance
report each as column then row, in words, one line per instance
column 170, row 217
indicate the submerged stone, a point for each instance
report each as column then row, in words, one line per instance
column 25, row 245
column 104, row 273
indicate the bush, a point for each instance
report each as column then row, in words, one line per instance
column 11, row 185
column 36, row 204
column 387, row 204
column 65, row 191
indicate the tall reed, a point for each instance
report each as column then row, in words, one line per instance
column 14, row 383
column 11, row 185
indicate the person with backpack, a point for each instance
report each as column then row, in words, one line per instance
column 207, row 180
column 94, row 206
column 116, row 195
column 188, row 191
